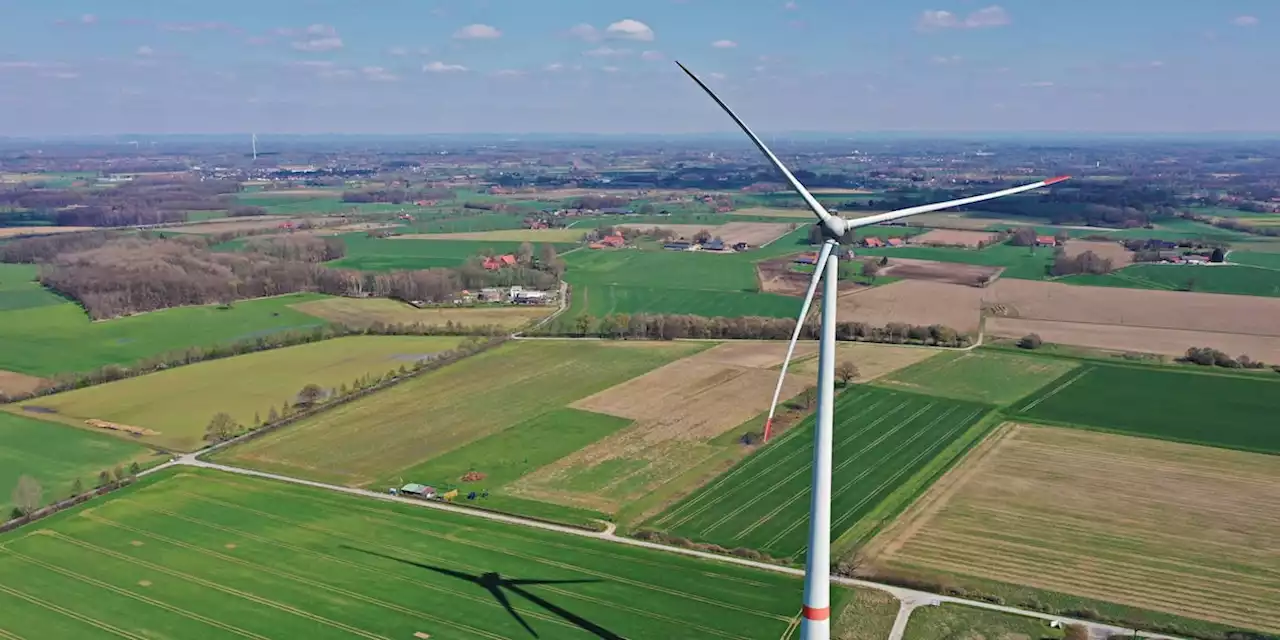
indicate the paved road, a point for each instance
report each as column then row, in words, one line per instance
column 910, row 598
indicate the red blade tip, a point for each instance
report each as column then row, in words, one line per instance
column 1056, row 180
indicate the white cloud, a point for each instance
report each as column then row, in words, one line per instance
column 398, row 51
column 1245, row 21
column 321, row 30
column 724, row 44
column 30, row 64
column 319, row 44
column 716, row 76
column 62, row 75
column 144, row 50
column 630, row 30
column 652, row 55
column 993, row 16
column 313, row 64
column 508, row 73
column 378, row 74
column 606, row 51
column 791, row 6
column 440, row 67
column 554, row 66
column 585, row 31
column 477, row 32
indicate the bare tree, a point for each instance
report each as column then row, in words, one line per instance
column 220, row 428
column 28, row 495
column 310, row 394
column 846, row 371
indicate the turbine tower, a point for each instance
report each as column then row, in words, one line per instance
column 254, row 141
column 816, row 621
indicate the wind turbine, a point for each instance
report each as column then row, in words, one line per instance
column 816, row 622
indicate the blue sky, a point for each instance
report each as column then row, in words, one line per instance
column 456, row 66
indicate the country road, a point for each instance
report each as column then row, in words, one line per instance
column 910, row 598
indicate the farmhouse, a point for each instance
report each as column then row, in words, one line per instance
column 713, row 245
column 872, row 242
column 418, row 490
column 741, row 246
column 806, row 258
column 679, row 245
column 497, row 262
column 530, row 297
column 1046, row 241
column 897, row 242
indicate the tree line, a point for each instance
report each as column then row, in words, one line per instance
column 140, row 202
column 645, row 326
column 398, row 196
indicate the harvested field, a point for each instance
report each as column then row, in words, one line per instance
column 1182, row 529
column 918, row 302
column 984, row 376
column 773, row 212
column 777, row 276
column 13, row 383
column 361, row 312
column 1136, row 308
column 954, row 238
column 752, row 233
column 840, row 191
column 1119, row 256
column 1169, row 342
column 949, row 272
column 677, row 410
column 17, row 232
column 873, row 360
column 234, row 224
column 504, row 235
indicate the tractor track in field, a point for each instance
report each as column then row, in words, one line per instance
column 909, row 598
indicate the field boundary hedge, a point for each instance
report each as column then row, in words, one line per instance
column 62, row 505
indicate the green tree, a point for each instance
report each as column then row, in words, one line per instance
column 310, row 394
column 583, row 324
column 77, row 487
column 134, row 469
column 104, row 478
column 257, row 419
column 272, row 416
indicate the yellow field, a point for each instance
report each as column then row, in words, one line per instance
column 179, row 402
column 1188, row 530
column 504, row 235
column 773, row 212
column 872, row 360
column 15, row 232
column 14, row 383
column 362, row 312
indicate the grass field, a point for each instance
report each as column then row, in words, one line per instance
column 55, row 456
column 881, row 438
column 505, row 235
column 1256, row 259
column 19, row 290
column 990, row 377
column 949, row 621
column 361, row 312
column 1019, row 262
column 52, row 339
column 397, row 432
column 179, row 402
column 390, row 254
column 1168, row 527
column 1240, row 280
column 1201, row 408
column 206, row 555
column 599, row 300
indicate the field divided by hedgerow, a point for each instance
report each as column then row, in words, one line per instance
column 1201, row 408
column 201, row 554
column 881, row 438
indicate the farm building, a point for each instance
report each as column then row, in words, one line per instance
column 897, row 242
column 418, row 490
column 530, row 297
column 498, row 262
column 490, row 294
column 617, row 211
column 614, row 241
column 741, row 246
column 806, row 258
column 713, row 245
column 679, row 245
column 872, row 242
column 1046, row 241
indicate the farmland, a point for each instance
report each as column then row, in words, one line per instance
column 1018, row 262
column 389, row 254
column 505, row 235
column 178, row 403
column 56, row 456
column 19, row 290
column 1114, row 337
column 882, row 438
column 16, row 232
column 1113, row 251
column 918, row 302
column 600, row 300
column 958, row 621
column 752, row 233
column 1201, row 408
column 387, row 435
column 948, row 272
column 58, row 338
column 1161, row 526
column 1229, row 279
column 235, row 224
column 203, row 554
column 679, row 413
column 873, row 360
column 983, row 376
column 951, row 237
column 362, row 312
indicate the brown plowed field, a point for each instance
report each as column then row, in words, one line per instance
column 778, row 212
column 14, row 383
column 677, row 409
column 873, row 360
column 1170, row 342
column 776, row 276
column 950, row 272
column 17, row 232
column 953, row 238
column 1184, row 529
column 752, row 233
column 919, row 302
column 234, row 224
column 1120, row 256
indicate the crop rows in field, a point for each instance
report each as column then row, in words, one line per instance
column 881, row 438
column 208, row 555
column 1203, row 408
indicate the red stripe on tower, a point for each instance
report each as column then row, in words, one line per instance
column 816, row 614
column 768, row 428
column 1056, row 180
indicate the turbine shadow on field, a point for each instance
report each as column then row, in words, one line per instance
column 494, row 583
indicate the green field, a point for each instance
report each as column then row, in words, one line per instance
column 1239, row 280
column 982, row 376
column 207, row 555
column 52, row 339
column 1255, row 259
column 179, row 402
column 881, row 438
column 390, row 254
column 397, row 433
column 949, row 621
column 55, row 455
column 1019, row 262
column 1200, row 408
column 599, row 300
column 19, row 290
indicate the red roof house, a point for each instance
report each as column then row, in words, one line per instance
column 896, row 242
column 873, row 242
column 1046, row 241
column 498, row 262
column 614, row 241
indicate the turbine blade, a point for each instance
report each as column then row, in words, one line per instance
column 818, row 209
column 926, row 208
column 818, row 268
